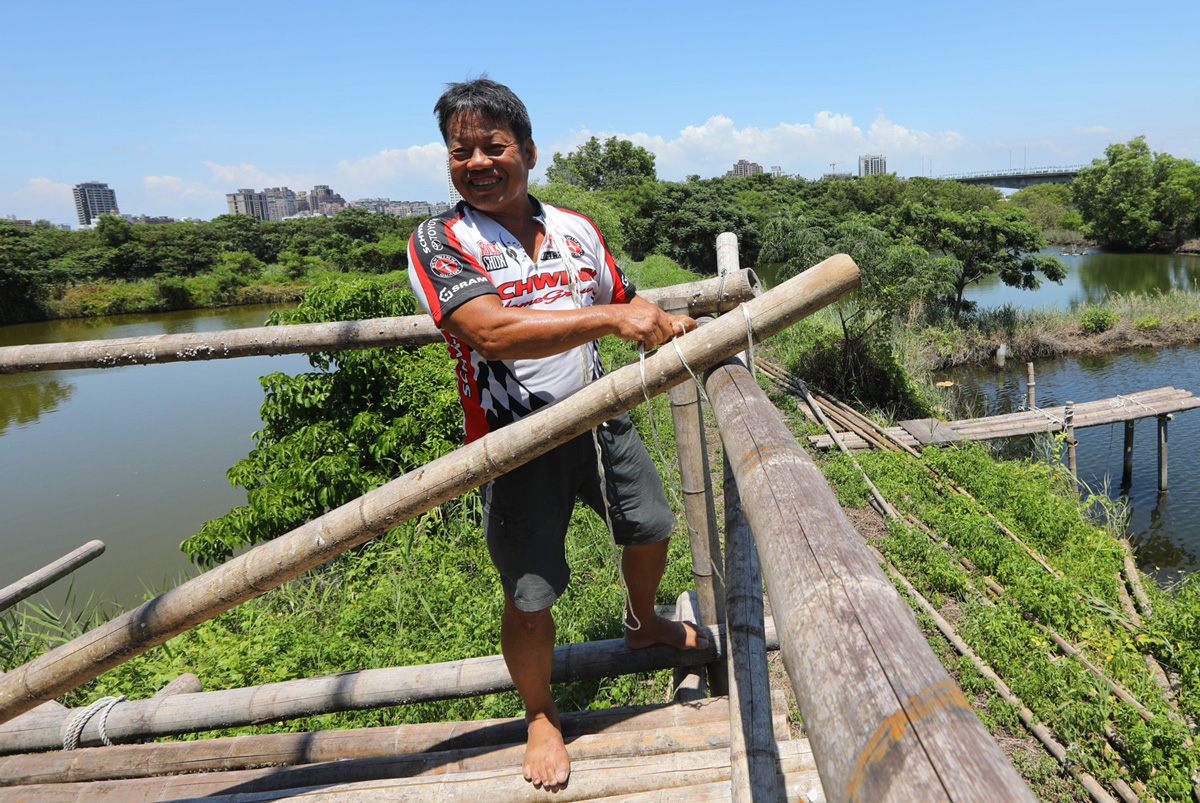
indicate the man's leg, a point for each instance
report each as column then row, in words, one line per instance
column 643, row 569
column 527, row 641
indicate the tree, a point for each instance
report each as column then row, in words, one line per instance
column 1135, row 200
column 982, row 242
column 590, row 204
column 594, row 166
column 1045, row 204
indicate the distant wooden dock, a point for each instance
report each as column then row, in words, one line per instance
column 1118, row 409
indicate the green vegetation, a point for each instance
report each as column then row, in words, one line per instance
column 1137, row 200
column 49, row 273
column 1094, row 320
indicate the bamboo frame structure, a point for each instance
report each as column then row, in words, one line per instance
column 32, row 583
column 416, row 330
column 272, row 563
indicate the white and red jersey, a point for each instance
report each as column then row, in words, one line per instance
column 462, row 254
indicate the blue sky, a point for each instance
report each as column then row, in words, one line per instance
column 176, row 104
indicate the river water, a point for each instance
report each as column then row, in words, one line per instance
column 1165, row 529
column 134, row 456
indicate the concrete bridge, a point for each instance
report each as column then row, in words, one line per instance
column 1018, row 178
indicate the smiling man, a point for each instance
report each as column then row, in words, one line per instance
column 521, row 291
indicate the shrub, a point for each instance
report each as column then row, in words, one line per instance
column 1095, row 320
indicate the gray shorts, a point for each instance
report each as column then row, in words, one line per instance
column 526, row 512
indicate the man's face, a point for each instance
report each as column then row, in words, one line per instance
column 488, row 166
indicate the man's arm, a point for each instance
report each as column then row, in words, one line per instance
column 503, row 333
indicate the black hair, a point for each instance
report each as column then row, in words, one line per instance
column 484, row 96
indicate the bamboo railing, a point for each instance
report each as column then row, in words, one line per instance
column 702, row 297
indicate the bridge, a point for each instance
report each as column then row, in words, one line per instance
column 1018, row 177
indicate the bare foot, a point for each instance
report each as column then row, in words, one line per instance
column 546, row 762
column 658, row 630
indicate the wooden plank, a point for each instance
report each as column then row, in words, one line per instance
column 930, row 430
column 414, row 330
column 590, row 779
column 274, row 562
column 885, row 721
column 29, row 585
column 287, row 749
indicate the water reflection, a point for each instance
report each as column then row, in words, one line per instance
column 28, row 396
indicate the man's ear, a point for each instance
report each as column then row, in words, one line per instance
column 530, row 153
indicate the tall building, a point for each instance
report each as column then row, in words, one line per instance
column 743, row 169
column 92, row 199
column 281, row 203
column 324, row 201
column 454, row 195
column 871, row 165
column 247, row 202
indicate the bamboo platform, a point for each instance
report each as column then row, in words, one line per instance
column 1116, row 410
column 662, row 752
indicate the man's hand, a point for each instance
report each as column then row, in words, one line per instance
column 647, row 324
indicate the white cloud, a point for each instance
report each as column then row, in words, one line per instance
column 397, row 173
column 166, row 191
column 800, row 148
column 40, row 198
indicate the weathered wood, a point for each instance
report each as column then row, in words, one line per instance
column 1127, row 461
column 29, row 585
column 752, row 752
column 1031, row 385
column 272, row 563
column 415, row 330
column 699, row 510
column 930, row 430
column 590, row 779
column 688, row 681
column 187, row 683
column 886, row 722
column 1162, row 452
column 287, row 749
column 346, row 691
column 1069, row 429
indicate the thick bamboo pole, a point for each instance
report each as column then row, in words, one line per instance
column 885, row 721
column 312, row 544
column 288, row 749
column 752, row 752
column 689, row 682
column 1162, row 452
column 29, row 585
column 415, row 330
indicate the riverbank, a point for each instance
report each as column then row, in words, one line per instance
column 1121, row 322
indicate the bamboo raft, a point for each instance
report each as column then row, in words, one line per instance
column 884, row 720
column 1119, row 409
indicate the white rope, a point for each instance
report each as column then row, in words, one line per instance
column 81, row 718
column 1123, row 402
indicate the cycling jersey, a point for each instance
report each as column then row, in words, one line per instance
column 463, row 254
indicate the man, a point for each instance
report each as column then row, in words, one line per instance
column 522, row 290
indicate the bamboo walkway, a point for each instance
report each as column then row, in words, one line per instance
column 1119, row 409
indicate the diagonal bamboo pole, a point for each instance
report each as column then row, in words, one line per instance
column 275, row 562
column 414, row 330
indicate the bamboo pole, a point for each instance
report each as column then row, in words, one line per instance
column 346, row 691
column 752, row 752
column 372, row 514
column 414, row 330
column 1069, row 428
column 1162, row 452
column 288, row 749
column 29, row 585
column 885, row 721
column 699, row 510
column 1127, row 456
column 1031, row 386
column 688, row 682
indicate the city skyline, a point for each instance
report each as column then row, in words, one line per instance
column 938, row 89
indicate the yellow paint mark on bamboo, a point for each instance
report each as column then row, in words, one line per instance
column 876, row 753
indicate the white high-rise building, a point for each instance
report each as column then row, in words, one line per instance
column 92, row 199
column 743, row 169
column 871, row 165
column 247, row 202
column 454, row 195
column 280, row 203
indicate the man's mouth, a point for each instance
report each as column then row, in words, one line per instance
column 485, row 182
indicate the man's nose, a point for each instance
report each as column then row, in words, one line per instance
column 478, row 159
